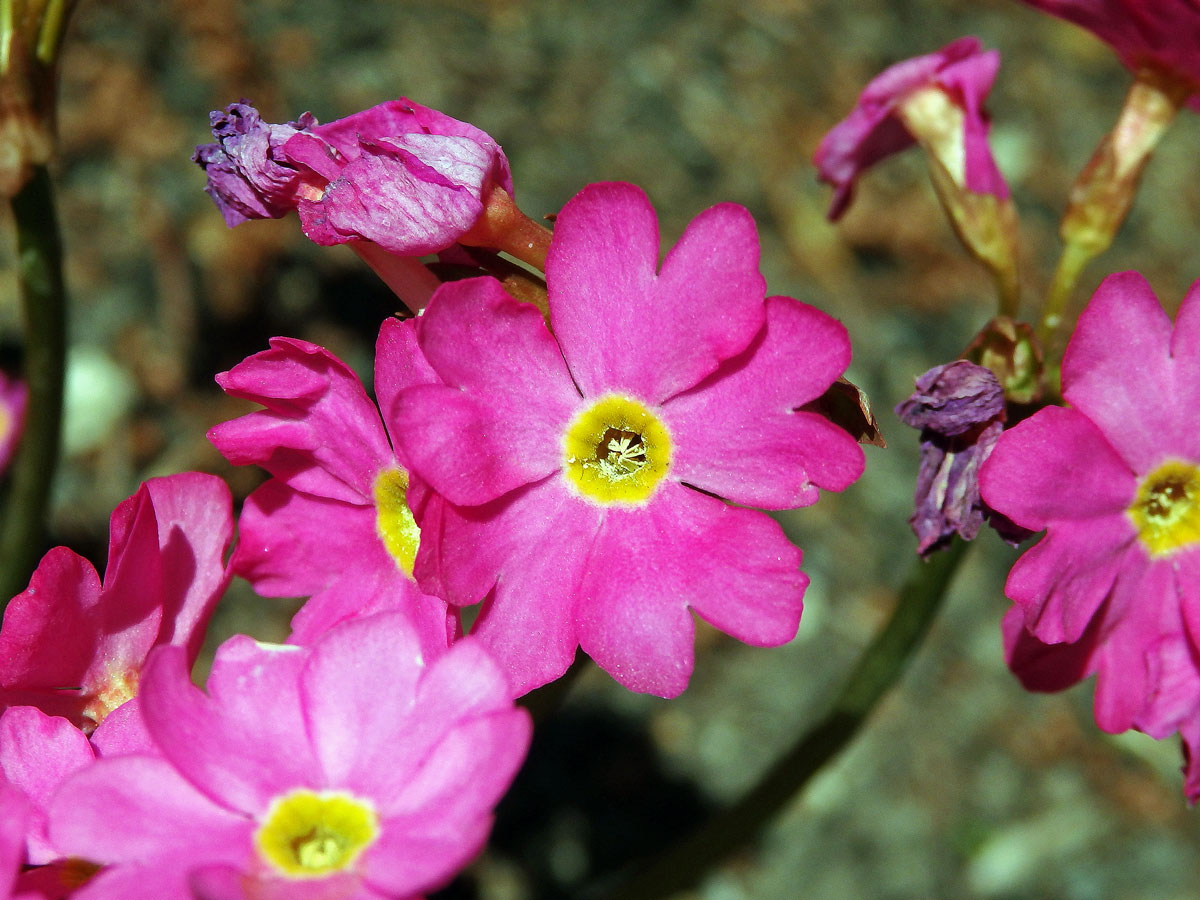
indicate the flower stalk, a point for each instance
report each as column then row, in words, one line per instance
column 44, row 305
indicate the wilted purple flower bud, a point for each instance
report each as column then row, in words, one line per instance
column 959, row 408
column 248, row 176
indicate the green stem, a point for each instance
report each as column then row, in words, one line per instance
column 877, row 670
column 43, row 299
column 1071, row 264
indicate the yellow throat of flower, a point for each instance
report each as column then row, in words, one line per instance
column 394, row 520
column 307, row 834
column 616, row 451
column 1166, row 511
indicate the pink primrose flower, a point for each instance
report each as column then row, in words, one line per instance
column 359, row 767
column 1113, row 589
column 12, row 416
column 13, row 824
column 74, row 647
column 962, row 74
column 400, row 175
column 335, row 521
column 1154, row 36
column 583, row 469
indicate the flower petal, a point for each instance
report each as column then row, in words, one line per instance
column 1035, row 476
column 497, row 423
column 648, row 565
column 1117, row 371
column 320, row 432
column 228, row 744
column 740, row 434
column 621, row 326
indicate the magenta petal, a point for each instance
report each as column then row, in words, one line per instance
column 228, row 744
column 292, row 544
column 1117, row 371
column 497, row 423
column 49, row 636
column 1034, row 475
column 131, row 809
column 194, row 512
column 37, row 753
column 739, row 434
column 12, row 835
column 320, row 432
column 648, row 565
column 1041, row 666
column 531, row 547
column 1063, row 579
column 123, row 732
column 399, row 364
column 661, row 333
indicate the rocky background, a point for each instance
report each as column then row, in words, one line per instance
column 963, row 786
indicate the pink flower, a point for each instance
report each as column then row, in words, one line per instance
column 401, row 175
column 340, row 492
column 73, row 647
column 892, row 115
column 584, row 468
column 1155, row 36
column 1113, row 589
column 357, row 768
column 12, row 416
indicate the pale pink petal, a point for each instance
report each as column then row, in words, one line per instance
column 530, row 547
column 462, row 729
column 648, row 565
column 1117, row 371
column 356, row 689
column 407, row 858
column 320, row 432
column 228, row 744
column 292, row 544
column 1035, row 477
column 497, row 423
column 620, row 325
column 1063, row 579
column 123, row 732
column 134, row 809
column 37, row 753
column 369, row 592
column 12, row 835
column 739, row 433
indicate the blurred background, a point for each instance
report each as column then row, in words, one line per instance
column 963, row 786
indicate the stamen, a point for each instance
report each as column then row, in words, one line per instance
column 616, row 451
column 1166, row 511
column 394, row 519
column 309, row 834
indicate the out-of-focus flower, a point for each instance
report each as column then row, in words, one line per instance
column 340, row 492
column 1149, row 36
column 73, row 647
column 12, row 416
column 358, row 768
column 400, row 175
column 584, row 468
column 1113, row 589
column 936, row 100
column 959, row 408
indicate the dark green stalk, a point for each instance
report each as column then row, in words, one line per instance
column 879, row 667
column 44, row 304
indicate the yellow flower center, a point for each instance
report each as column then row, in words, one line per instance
column 394, row 520
column 308, row 834
column 616, row 451
column 1166, row 511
